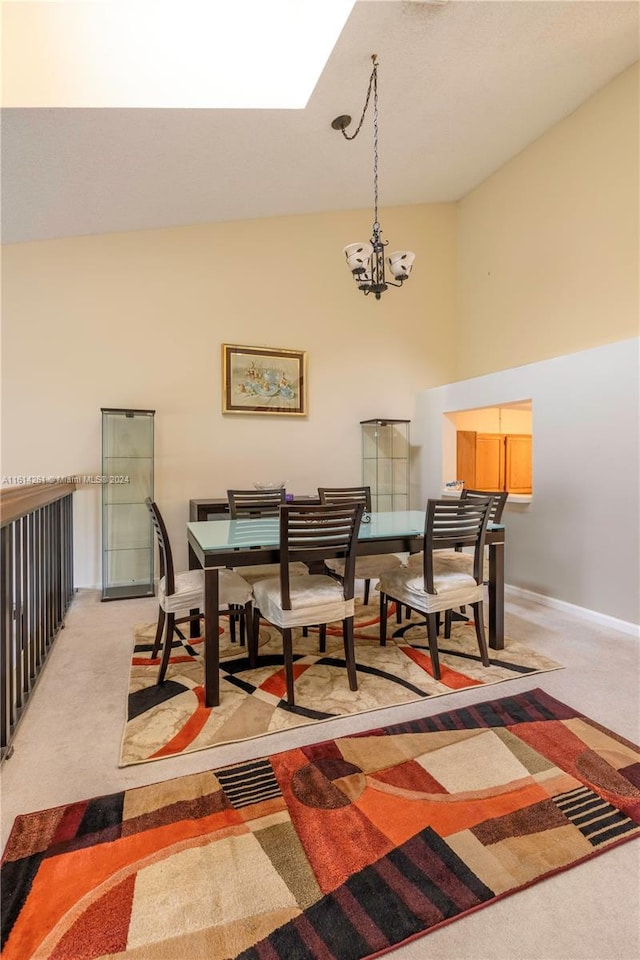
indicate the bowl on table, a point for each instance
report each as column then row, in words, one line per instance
column 269, row 484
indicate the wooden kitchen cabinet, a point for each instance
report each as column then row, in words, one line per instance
column 494, row 461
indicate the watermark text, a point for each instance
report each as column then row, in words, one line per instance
column 52, row 478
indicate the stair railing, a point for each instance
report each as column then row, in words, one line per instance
column 36, row 588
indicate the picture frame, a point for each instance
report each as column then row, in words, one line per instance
column 264, row 380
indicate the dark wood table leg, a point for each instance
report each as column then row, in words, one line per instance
column 496, row 596
column 194, row 626
column 211, row 639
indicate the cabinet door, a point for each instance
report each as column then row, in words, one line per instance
column 518, row 465
column 466, row 457
column 489, row 461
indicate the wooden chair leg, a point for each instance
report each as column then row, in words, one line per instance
column 159, row 631
column 168, row 642
column 350, row 652
column 398, row 613
column 244, row 624
column 322, row 638
column 384, row 605
column 287, row 644
column 367, row 585
column 255, row 627
column 253, row 631
column 247, row 627
column 478, row 618
column 305, row 631
column 232, row 623
column 432, row 634
column 194, row 625
column 447, row 625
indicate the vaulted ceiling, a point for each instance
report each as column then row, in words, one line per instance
column 463, row 86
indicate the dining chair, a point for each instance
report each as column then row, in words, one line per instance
column 367, row 568
column 432, row 589
column 311, row 534
column 252, row 504
column 185, row 591
column 456, row 559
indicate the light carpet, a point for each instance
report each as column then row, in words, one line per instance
column 340, row 850
column 166, row 720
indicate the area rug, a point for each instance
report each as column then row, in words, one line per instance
column 342, row 849
column 171, row 719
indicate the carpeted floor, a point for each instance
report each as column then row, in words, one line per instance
column 172, row 719
column 436, row 817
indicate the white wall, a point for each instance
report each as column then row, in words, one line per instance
column 578, row 539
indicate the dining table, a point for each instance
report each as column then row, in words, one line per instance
column 215, row 544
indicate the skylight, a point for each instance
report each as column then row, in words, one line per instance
column 167, row 53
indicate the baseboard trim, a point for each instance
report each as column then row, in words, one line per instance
column 593, row 616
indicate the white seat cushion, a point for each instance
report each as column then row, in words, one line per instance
column 189, row 591
column 450, row 560
column 314, row 599
column 265, row 571
column 453, row 589
column 367, row 568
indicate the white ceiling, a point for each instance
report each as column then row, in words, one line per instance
column 463, row 87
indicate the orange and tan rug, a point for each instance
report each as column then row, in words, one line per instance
column 172, row 719
column 340, row 850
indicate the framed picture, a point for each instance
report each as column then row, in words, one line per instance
column 264, row 380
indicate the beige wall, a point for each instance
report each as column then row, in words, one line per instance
column 138, row 319
column 548, row 245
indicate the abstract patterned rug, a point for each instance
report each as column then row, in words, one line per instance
column 341, row 849
column 163, row 721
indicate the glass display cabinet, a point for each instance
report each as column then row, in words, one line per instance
column 385, row 463
column 127, row 480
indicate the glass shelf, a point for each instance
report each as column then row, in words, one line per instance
column 385, row 463
column 127, row 530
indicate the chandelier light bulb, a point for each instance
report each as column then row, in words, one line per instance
column 358, row 255
column 400, row 263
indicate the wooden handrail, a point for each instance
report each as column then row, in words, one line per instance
column 17, row 501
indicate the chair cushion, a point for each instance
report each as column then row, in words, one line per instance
column 453, row 589
column 367, row 568
column 265, row 571
column 314, row 599
column 450, row 560
column 189, row 592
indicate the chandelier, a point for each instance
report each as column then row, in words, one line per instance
column 367, row 260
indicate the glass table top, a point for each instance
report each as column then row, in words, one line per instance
column 265, row 532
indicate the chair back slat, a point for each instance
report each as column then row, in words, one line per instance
column 164, row 547
column 255, row 503
column 462, row 521
column 346, row 495
column 497, row 506
column 312, row 533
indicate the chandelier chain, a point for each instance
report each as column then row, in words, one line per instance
column 373, row 82
column 374, row 75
